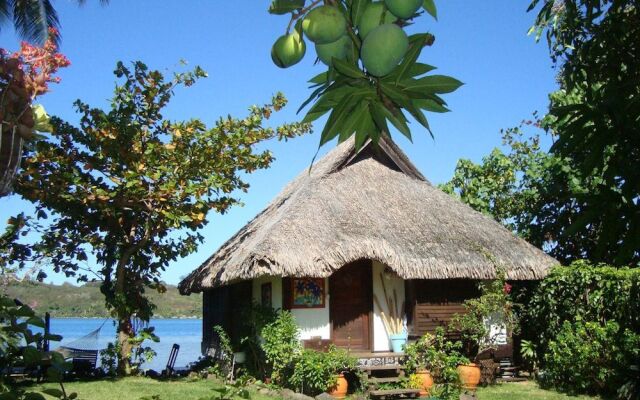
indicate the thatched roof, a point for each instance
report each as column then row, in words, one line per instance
column 372, row 204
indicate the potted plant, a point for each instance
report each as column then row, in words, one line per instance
column 394, row 322
column 339, row 362
column 420, row 357
column 314, row 372
column 486, row 321
column 433, row 358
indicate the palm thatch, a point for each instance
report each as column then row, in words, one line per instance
column 372, row 204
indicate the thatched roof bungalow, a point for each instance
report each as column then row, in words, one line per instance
column 357, row 225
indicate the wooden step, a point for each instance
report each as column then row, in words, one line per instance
column 388, row 367
column 511, row 379
column 393, row 393
column 387, row 379
column 369, row 354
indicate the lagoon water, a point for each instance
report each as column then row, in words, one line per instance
column 185, row 332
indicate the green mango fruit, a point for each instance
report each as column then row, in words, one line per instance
column 374, row 15
column 383, row 48
column 324, row 24
column 288, row 50
column 403, row 8
column 339, row 49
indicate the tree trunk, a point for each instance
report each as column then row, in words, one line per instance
column 125, row 332
column 125, row 329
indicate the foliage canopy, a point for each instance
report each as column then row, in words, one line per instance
column 131, row 188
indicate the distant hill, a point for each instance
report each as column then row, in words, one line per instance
column 86, row 301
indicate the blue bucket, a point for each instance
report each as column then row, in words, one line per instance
column 398, row 341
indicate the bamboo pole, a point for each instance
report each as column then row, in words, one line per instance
column 385, row 322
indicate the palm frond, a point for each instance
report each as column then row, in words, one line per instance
column 33, row 18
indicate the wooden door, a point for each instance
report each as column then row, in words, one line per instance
column 351, row 306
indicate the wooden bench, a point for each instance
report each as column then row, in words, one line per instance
column 395, row 393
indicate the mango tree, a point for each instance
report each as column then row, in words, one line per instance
column 373, row 76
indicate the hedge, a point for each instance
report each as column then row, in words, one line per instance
column 587, row 292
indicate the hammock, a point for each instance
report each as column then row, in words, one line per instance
column 83, row 348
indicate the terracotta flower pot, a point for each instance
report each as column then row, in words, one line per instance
column 426, row 382
column 469, row 375
column 339, row 390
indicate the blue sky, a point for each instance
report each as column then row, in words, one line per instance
column 507, row 76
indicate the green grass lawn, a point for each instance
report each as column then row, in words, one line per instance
column 135, row 388
column 523, row 390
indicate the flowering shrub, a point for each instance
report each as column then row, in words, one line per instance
column 494, row 304
column 25, row 75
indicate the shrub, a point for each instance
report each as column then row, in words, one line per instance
column 590, row 292
column 494, row 303
column 280, row 344
column 441, row 357
column 591, row 357
column 314, row 372
column 256, row 317
column 21, row 347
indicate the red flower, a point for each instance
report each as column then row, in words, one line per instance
column 507, row 288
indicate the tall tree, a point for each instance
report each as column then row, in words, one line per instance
column 131, row 188
column 582, row 198
column 596, row 115
column 535, row 193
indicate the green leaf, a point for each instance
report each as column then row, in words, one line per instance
column 31, row 355
column 400, row 122
column 315, row 94
column 430, row 7
column 320, row 78
column 396, row 94
column 33, row 396
column 433, row 84
column 325, row 103
column 417, row 43
column 12, row 395
column 53, row 392
column 378, row 117
column 36, row 321
column 335, row 120
column 430, row 105
column 354, row 120
column 366, row 130
column 419, row 116
column 357, row 9
column 279, row 7
column 54, row 374
column 348, row 69
column 418, row 69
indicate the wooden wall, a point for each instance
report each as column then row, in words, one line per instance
column 432, row 303
column 223, row 306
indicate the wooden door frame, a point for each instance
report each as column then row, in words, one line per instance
column 369, row 265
